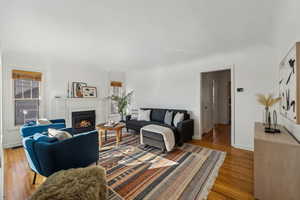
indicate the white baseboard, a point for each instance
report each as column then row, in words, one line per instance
column 196, row 137
column 243, row 147
column 11, row 145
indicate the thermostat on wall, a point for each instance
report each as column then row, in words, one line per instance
column 240, row 89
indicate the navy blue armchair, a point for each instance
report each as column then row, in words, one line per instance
column 47, row 155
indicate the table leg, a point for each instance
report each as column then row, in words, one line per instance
column 117, row 137
column 105, row 135
column 100, row 138
column 121, row 135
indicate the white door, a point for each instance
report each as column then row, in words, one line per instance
column 207, row 102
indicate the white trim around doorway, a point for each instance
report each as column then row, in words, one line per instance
column 232, row 76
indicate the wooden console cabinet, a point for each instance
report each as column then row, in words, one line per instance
column 276, row 165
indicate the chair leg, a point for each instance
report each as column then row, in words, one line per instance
column 34, row 178
column 97, row 162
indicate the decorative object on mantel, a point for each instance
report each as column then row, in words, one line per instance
column 89, row 92
column 267, row 101
column 77, row 89
column 289, row 84
column 123, row 102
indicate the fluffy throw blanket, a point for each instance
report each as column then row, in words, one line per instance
column 74, row 184
column 167, row 134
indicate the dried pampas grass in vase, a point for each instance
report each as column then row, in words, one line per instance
column 267, row 101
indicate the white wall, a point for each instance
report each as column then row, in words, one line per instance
column 1, row 132
column 55, row 78
column 287, row 32
column 179, row 87
column 58, row 77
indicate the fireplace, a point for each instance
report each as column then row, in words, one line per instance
column 83, row 121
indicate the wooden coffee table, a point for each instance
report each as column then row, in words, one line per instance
column 103, row 130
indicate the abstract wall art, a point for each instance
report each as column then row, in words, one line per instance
column 289, row 84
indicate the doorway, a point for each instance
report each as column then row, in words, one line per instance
column 216, row 107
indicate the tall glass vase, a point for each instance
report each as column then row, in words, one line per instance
column 266, row 116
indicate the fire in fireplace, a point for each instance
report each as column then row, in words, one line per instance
column 83, row 124
column 83, row 121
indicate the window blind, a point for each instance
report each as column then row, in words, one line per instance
column 27, row 75
column 116, row 84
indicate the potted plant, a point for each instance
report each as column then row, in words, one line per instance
column 267, row 101
column 122, row 103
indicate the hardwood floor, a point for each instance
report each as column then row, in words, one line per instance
column 235, row 180
column 17, row 175
column 219, row 135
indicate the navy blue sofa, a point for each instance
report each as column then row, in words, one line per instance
column 47, row 155
column 30, row 128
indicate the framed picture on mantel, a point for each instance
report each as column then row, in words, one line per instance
column 289, row 84
column 89, row 92
column 77, row 89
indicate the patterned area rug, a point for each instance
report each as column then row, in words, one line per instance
column 137, row 172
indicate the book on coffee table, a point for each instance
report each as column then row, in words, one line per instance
column 109, row 125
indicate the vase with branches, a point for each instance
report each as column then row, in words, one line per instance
column 267, row 101
column 122, row 103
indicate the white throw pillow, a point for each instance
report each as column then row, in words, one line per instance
column 144, row 115
column 178, row 118
column 60, row 135
column 43, row 121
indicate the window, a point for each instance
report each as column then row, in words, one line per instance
column 116, row 90
column 26, row 96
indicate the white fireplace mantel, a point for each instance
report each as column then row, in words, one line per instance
column 63, row 108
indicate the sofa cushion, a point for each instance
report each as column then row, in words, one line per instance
column 168, row 118
column 179, row 117
column 158, row 115
column 39, row 137
column 185, row 114
column 60, row 135
column 137, row 123
column 144, row 115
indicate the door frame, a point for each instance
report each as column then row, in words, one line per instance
column 232, row 77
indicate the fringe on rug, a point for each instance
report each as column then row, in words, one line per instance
column 212, row 178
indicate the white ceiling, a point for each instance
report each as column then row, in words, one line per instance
column 125, row 34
